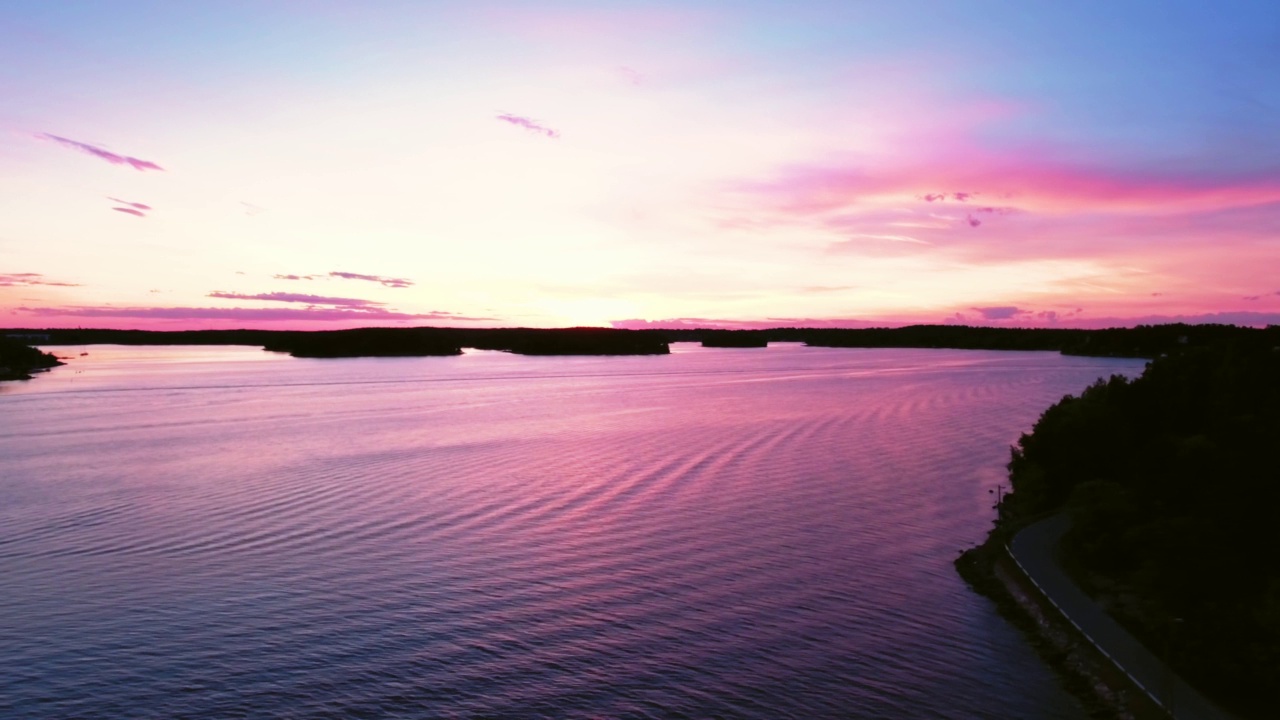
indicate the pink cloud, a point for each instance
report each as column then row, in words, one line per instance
column 631, row 76
column 529, row 124
column 296, row 277
column 767, row 323
column 29, row 279
column 136, row 205
column 386, row 281
column 878, row 245
column 362, row 316
column 1004, row 316
column 298, row 298
column 1198, row 227
column 820, row 289
column 1075, row 319
column 940, row 197
column 1003, row 312
column 131, row 211
column 1027, row 185
column 98, row 152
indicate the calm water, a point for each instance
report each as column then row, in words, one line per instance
column 223, row 532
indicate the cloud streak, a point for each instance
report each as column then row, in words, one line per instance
column 1003, row 312
column 239, row 314
column 386, row 281
column 98, row 152
column 131, row 211
column 529, row 124
column 1022, row 185
column 1020, row 317
column 30, row 279
column 630, row 75
column 135, row 205
column 298, row 298
column 714, row 324
column 941, row 197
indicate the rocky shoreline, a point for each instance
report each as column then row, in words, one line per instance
column 1106, row 692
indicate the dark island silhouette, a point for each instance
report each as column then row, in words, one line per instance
column 385, row 342
column 1172, row 486
column 363, row 342
column 18, row 360
column 735, row 339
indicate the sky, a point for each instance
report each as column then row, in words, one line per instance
column 307, row 165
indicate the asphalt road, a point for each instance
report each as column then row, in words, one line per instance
column 1033, row 550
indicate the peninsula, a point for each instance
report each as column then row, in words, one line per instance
column 1171, row 487
column 18, row 360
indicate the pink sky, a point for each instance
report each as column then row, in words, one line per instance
column 489, row 164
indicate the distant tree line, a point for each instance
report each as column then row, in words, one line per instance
column 366, row 342
column 1172, row 481
column 1144, row 341
column 1147, row 341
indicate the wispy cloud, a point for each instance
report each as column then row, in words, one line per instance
column 135, row 205
column 296, row 277
column 29, row 279
column 715, row 324
column 973, row 219
column 1070, row 318
column 630, row 75
column 877, row 243
column 818, row 289
column 890, row 238
column 940, row 197
column 298, row 298
column 1076, row 319
column 98, row 152
column 387, row 281
column 529, row 124
column 1002, row 312
column 1026, row 185
column 131, row 211
column 237, row 314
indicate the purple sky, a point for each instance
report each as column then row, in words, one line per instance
column 736, row 164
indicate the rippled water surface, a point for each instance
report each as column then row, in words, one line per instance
column 223, row 532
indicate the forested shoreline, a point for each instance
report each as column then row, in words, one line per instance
column 1144, row 341
column 18, row 361
column 1172, row 483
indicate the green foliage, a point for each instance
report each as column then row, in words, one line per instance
column 1173, row 484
